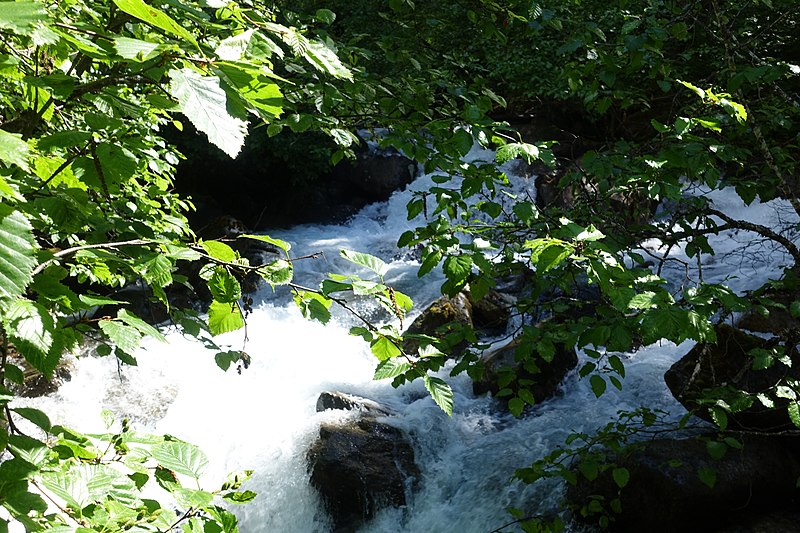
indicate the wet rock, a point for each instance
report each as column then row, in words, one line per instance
column 34, row 383
column 490, row 314
column 546, row 376
column 375, row 175
column 727, row 365
column 444, row 319
column 362, row 465
column 346, row 402
column 665, row 492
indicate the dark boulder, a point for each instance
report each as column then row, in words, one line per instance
column 666, row 494
column 727, row 366
column 359, row 466
column 346, row 402
column 444, row 319
column 490, row 314
column 545, row 376
column 375, row 175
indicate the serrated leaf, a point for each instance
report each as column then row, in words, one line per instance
column 181, row 457
column 224, row 317
column 391, row 368
column 278, row 272
column 204, row 102
column 35, row 416
column 325, row 60
column 125, row 337
column 313, row 306
column 511, row 151
column 137, row 50
column 441, row 393
column 367, row 261
column 21, row 17
column 383, row 348
column 143, row 327
column 17, row 252
column 224, row 287
column 155, row 17
column 283, row 245
column 794, row 413
column 255, row 87
column 13, row 150
column 239, row 497
column 219, row 250
column 191, row 498
column 33, row 330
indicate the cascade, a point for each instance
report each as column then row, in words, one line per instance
column 264, row 418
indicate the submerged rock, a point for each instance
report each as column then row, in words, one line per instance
column 727, row 366
column 361, row 465
column 665, row 492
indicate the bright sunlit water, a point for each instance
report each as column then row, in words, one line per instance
column 265, row 419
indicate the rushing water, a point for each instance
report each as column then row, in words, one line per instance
column 265, row 419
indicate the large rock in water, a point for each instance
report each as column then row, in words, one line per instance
column 360, row 465
column 546, row 376
column 443, row 319
column 665, row 493
column 727, row 364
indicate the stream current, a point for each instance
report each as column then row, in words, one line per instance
column 265, row 419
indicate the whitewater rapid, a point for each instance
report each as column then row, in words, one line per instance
column 265, row 419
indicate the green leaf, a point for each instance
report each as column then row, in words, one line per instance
column 181, row 457
column 367, row 261
column 17, row 253
column 225, row 359
column 143, row 327
column 383, row 348
column 313, row 306
column 457, row 268
column 126, row 338
column 137, row 50
column 219, row 250
column 621, row 476
column 36, row 416
column 794, row 413
column 205, row 104
column 598, row 385
column 441, row 393
column 224, row 317
column 511, row 151
column 13, row 150
column 515, row 406
column 283, row 245
column 716, row 449
column 325, row 60
column 708, row 476
column 278, row 272
column 193, row 498
column 255, row 87
column 224, row 287
column 21, row 17
column 391, row 368
column 154, row 17
column 33, row 330
column 239, row 497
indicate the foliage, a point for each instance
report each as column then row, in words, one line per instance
column 676, row 95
